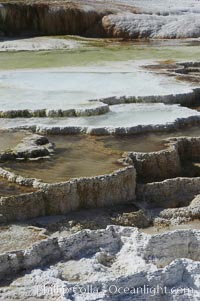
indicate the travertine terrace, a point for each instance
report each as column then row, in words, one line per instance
column 119, row 18
column 100, row 150
column 161, row 186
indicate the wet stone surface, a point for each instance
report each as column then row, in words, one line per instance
column 12, row 189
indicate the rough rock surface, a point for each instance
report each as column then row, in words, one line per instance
column 32, row 147
column 18, row 237
column 126, row 19
column 184, row 71
column 97, row 108
column 61, row 266
column 103, row 259
column 121, row 186
column 93, row 219
column 180, row 215
column 37, row 44
column 132, row 26
column 51, row 18
column 169, row 193
column 60, row 198
column 110, row 130
column 167, row 163
column 156, row 166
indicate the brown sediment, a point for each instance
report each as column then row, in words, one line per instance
column 98, row 218
column 83, row 155
column 195, row 224
column 74, row 156
column 196, row 108
column 9, row 139
column 188, row 71
column 149, row 142
column 9, row 189
column 152, row 168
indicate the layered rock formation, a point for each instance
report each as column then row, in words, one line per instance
column 184, row 71
column 132, row 26
column 118, row 262
column 169, row 193
column 120, row 19
column 107, row 190
column 167, row 163
column 121, row 186
column 96, row 108
column 49, row 19
column 109, row 107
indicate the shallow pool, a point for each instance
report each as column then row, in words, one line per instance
column 10, row 189
column 59, row 89
column 124, row 115
column 127, row 115
column 75, row 156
